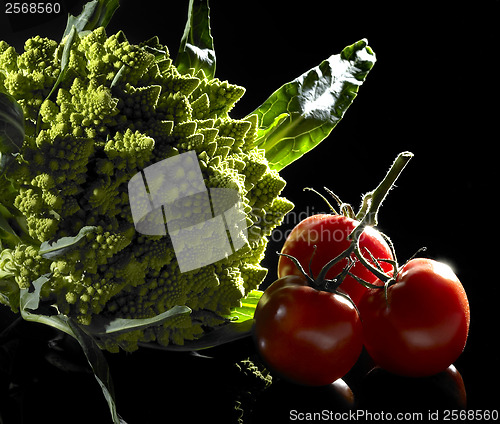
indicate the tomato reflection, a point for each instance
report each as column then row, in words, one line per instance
column 282, row 398
column 382, row 390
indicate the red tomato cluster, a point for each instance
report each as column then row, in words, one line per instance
column 414, row 324
column 319, row 238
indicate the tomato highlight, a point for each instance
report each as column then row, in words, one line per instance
column 307, row 336
column 422, row 326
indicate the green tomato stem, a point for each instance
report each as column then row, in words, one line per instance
column 377, row 196
column 381, row 275
column 371, row 205
column 299, row 266
column 332, row 209
column 322, row 275
column 367, row 217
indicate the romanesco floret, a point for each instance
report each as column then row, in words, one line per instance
column 117, row 110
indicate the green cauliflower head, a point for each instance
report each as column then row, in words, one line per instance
column 119, row 109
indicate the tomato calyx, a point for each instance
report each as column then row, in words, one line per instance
column 345, row 208
column 367, row 217
column 321, row 283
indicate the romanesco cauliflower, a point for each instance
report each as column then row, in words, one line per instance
column 118, row 109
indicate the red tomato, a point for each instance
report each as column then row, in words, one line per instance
column 307, row 336
column 330, row 234
column 422, row 328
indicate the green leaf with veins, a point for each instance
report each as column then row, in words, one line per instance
column 303, row 112
column 197, row 45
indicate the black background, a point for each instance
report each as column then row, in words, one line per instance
column 433, row 91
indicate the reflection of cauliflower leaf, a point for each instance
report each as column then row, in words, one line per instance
column 118, row 109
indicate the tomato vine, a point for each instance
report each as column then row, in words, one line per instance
column 367, row 217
